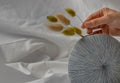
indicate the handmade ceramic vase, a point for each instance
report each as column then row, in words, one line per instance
column 95, row 59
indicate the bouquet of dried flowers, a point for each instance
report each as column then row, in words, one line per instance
column 59, row 23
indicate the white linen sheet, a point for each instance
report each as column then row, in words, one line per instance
column 33, row 50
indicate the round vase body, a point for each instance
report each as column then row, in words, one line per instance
column 95, row 59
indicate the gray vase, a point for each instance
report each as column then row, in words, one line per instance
column 95, row 59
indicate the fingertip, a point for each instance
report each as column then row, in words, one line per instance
column 83, row 26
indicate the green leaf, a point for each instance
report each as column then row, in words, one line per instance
column 52, row 18
column 71, row 12
column 69, row 32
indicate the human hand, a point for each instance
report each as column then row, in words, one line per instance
column 106, row 20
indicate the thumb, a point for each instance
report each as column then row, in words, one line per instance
column 96, row 22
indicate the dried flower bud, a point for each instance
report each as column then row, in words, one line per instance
column 69, row 32
column 62, row 19
column 55, row 27
column 77, row 30
column 52, row 18
column 71, row 12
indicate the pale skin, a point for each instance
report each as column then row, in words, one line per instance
column 104, row 21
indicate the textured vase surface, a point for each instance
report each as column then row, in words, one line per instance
column 95, row 59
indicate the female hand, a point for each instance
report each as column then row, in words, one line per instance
column 106, row 20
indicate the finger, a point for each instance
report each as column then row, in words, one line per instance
column 97, row 22
column 92, row 16
column 97, row 32
column 90, row 30
column 97, row 14
column 83, row 25
column 105, row 29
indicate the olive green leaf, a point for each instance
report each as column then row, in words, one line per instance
column 52, row 18
column 69, row 32
column 71, row 12
column 55, row 27
column 62, row 19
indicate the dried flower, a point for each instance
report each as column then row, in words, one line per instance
column 62, row 19
column 69, row 31
column 58, row 17
column 78, row 31
column 71, row 12
column 52, row 18
column 55, row 27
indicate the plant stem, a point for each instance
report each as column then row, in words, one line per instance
column 79, row 19
column 71, row 25
column 81, row 36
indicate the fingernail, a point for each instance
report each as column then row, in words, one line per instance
column 88, row 24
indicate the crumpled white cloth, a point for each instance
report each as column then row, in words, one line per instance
column 31, row 48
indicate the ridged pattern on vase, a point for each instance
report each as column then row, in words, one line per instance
column 95, row 59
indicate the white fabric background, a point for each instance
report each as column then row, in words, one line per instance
column 27, row 46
